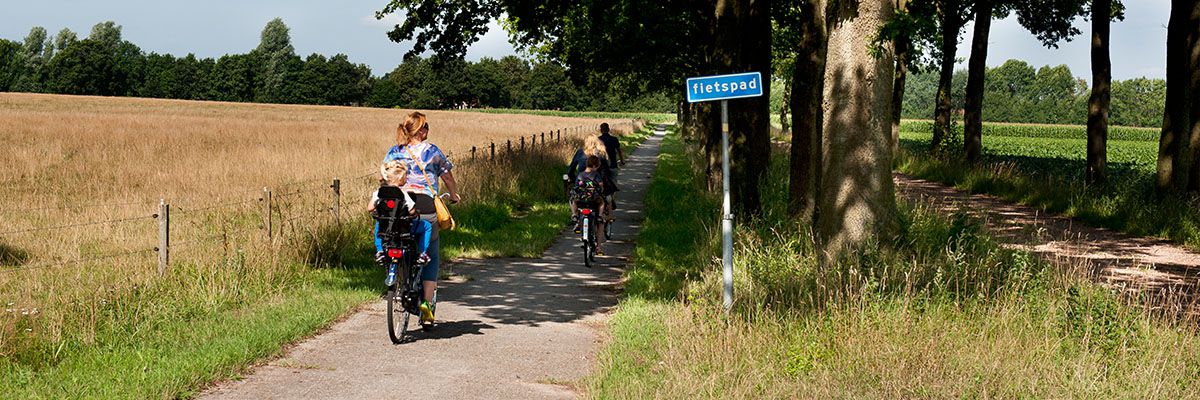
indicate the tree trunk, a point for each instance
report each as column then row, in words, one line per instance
column 1098, row 102
column 1193, row 59
column 977, row 68
column 784, row 122
column 902, row 44
column 808, row 83
column 743, row 43
column 1174, row 151
column 941, row 115
column 709, row 124
column 683, row 119
column 857, row 203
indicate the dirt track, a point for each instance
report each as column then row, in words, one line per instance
column 1158, row 268
column 509, row 328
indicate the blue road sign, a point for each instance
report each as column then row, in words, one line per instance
column 724, row 87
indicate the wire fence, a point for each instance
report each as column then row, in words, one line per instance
column 76, row 261
column 77, row 206
column 268, row 204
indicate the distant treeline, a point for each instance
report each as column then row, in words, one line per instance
column 104, row 64
column 1016, row 92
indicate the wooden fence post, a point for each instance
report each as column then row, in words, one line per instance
column 337, row 200
column 266, row 199
column 493, row 151
column 472, row 153
column 164, row 236
column 522, row 144
column 508, row 145
column 543, row 138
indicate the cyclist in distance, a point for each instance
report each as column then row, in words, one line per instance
column 616, row 157
column 588, row 187
column 592, row 146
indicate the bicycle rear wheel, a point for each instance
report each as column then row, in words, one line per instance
column 397, row 316
column 587, row 256
column 588, row 242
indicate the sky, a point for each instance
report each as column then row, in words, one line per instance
column 1137, row 45
column 217, row 27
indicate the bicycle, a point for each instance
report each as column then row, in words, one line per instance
column 400, row 256
column 611, row 199
column 588, row 214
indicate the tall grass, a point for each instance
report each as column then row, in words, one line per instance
column 941, row 312
column 72, row 329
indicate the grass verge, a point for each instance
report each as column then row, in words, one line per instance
column 943, row 311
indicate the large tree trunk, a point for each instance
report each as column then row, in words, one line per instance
column 743, row 43
column 1098, row 102
column 808, row 83
column 857, row 203
column 977, row 68
column 1174, row 149
column 1193, row 59
column 941, row 115
column 902, row 44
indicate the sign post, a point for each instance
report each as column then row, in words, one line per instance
column 723, row 88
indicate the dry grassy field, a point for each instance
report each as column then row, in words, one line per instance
column 81, row 179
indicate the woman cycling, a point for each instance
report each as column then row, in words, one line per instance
column 426, row 163
column 592, row 146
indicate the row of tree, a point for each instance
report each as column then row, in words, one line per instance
column 1016, row 92
column 105, row 64
column 845, row 66
column 509, row 82
column 927, row 30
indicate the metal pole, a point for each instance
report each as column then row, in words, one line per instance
column 726, row 214
column 337, row 199
column 164, row 236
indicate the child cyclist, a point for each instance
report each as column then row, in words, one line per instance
column 395, row 173
column 589, row 192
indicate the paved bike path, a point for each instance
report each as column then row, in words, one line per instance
column 513, row 329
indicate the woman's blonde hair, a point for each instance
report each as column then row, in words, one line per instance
column 408, row 129
column 592, row 146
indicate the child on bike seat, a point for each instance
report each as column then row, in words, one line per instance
column 589, row 192
column 395, row 173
